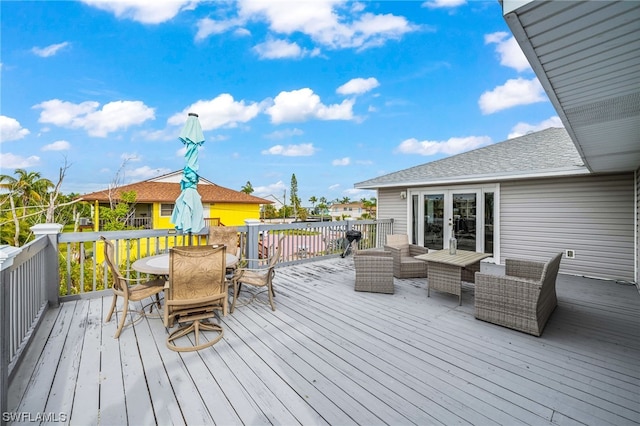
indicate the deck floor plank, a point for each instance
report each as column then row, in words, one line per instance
column 112, row 402
column 330, row 355
column 41, row 383
column 87, row 386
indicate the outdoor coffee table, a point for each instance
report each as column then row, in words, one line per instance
column 447, row 271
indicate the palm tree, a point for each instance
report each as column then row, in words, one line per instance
column 247, row 188
column 26, row 187
column 313, row 200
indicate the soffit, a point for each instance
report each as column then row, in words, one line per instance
column 586, row 55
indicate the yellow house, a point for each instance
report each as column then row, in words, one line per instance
column 155, row 199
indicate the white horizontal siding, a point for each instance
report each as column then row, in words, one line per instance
column 593, row 215
column 637, row 254
column 392, row 206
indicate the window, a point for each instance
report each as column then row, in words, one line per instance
column 166, row 209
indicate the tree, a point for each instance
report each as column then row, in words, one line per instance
column 345, row 200
column 313, row 200
column 295, row 200
column 115, row 218
column 247, row 188
column 25, row 191
column 370, row 207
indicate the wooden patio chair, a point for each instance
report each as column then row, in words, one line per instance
column 405, row 265
column 259, row 277
column 196, row 289
column 130, row 289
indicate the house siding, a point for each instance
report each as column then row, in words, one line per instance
column 391, row 206
column 637, row 251
column 593, row 215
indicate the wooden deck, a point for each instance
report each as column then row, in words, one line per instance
column 330, row 355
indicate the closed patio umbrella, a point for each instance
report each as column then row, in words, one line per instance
column 187, row 213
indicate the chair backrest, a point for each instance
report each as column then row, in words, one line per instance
column 119, row 282
column 196, row 272
column 227, row 235
column 397, row 240
column 550, row 270
column 275, row 253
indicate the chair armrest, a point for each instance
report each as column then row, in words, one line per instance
column 524, row 269
column 373, row 253
column 416, row 250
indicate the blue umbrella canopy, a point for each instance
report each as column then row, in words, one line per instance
column 187, row 213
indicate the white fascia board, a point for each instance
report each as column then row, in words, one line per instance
column 478, row 179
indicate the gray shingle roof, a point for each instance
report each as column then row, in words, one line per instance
column 549, row 152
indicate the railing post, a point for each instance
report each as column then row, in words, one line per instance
column 7, row 254
column 253, row 240
column 51, row 266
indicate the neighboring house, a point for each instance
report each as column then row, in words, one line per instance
column 352, row 210
column 575, row 191
column 156, row 197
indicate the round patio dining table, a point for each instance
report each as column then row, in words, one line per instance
column 159, row 264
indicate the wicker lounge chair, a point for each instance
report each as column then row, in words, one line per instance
column 404, row 263
column 196, row 289
column 374, row 271
column 125, row 287
column 523, row 299
column 259, row 277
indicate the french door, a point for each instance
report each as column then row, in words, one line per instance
column 465, row 213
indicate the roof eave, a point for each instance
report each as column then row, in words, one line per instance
column 478, row 179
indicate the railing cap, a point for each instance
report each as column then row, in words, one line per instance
column 7, row 253
column 46, row 228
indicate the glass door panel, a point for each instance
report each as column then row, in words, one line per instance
column 463, row 220
column 434, row 221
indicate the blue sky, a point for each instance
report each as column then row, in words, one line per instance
column 336, row 92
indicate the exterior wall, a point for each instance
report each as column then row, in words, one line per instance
column 161, row 222
column 231, row 214
column 593, row 215
column 392, row 206
column 638, row 228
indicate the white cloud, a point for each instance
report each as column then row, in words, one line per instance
column 11, row 130
column 57, row 146
column 334, row 186
column 357, row 86
column 341, row 161
column 51, row 50
column 221, row 111
column 10, row 161
column 303, row 104
column 450, row 147
column 114, row 116
column 521, row 129
column 146, row 172
column 280, row 49
column 208, row 26
column 130, row 156
column 144, row 11
column 514, row 92
column 301, row 150
column 509, row 51
column 334, row 24
column 436, row 4
column 286, row 133
column 274, row 188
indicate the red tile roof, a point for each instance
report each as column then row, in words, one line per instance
column 164, row 192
